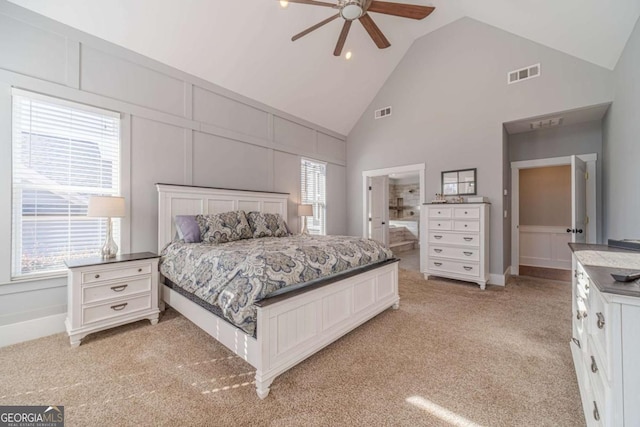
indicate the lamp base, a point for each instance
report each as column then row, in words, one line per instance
column 109, row 249
column 304, row 230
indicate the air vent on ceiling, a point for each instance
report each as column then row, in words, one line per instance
column 546, row 123
column 523, row 74
column 383, row 112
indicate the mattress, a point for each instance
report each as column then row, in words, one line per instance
column 233, row 276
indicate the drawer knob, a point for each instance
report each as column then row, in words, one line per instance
column 596, row 414
column 437, row 250
column 97, row 276
column 581, row 315
column 119, row 288
column 468, row 239
column 437, row 264
column 600, row 320
column 119, row 306
column 467, row 268
column 139, row 270
column 438, row 237
column 594, row 366
column 438, row 212
column 465, row 212
column 468, row 253
column 466, row 225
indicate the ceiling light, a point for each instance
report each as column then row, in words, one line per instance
column 351, row 10
column 284, row 4
column 348, row 55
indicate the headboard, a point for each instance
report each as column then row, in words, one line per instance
column 190, row 200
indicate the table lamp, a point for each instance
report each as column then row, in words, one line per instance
column 305, row 211
column 107, row 207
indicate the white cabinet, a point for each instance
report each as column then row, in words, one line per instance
column 106, row 293
column 606, row 350
column 455, row 242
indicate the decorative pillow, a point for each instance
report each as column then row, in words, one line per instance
column 188, row 228
column 267, row 225
column 224, row 227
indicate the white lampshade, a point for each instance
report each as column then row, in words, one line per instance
column 305, row 210
column 106, row 207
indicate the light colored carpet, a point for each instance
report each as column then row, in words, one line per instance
column 452, row 355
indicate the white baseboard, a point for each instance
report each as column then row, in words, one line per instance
column 500, row 279
column 32, row 329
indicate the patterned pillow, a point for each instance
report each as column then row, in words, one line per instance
column 224, row 227
column 267, row 225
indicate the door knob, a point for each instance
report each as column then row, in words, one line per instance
column 580, row 231
column 568, row 230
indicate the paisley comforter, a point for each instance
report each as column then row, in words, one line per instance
column 234, row 275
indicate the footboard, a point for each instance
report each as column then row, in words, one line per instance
column 292, row 329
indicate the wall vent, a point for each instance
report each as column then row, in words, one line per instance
column 546, row 123
column 523, row 74
column 382, row 113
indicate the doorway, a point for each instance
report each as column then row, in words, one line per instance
column 553, row 203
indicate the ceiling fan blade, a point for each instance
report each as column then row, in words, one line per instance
column 314, row 3
column 378, row 38
column 400, row 9
column 343, row 38
column 313, row 28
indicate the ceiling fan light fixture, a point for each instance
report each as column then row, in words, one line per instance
column 284, row 4
column 351, row 10
column 348, row 55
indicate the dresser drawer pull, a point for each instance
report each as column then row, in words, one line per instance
column 600, row 320
column 466, row 225
column 596, row 414
column 468, row 253
column 437, row 237
column 119, row 306
column 439, row 225
column 437, row 250
column 439, row 212
column 577, row 342
column 468, row 239
column 465, row 212
column 119, row 288
column 467, row 268
column 581, row 315
column 97, row 276
column 139, row 270
column 437, row 264
column 594, row 366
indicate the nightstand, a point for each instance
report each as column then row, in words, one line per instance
column 104, row 293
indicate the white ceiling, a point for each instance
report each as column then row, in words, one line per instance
column 244, row 45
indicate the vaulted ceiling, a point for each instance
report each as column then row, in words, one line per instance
column 245, row 45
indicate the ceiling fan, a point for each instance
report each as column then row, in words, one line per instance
column 350, row 10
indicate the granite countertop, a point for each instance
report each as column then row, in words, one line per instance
column 599, row 261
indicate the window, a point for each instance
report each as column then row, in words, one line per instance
column 313, row 178
column 62, row 153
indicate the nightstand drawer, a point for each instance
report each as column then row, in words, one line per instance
column 471, row 213
column 91, row 294
column 115, row 309
column 599, row 328
column 466, row 225
column 118, row 272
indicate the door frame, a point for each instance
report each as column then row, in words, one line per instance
column 589, row 159
column 419, row 167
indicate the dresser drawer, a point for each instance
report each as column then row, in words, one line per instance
column 116, row 273
column 96, row 313
column 599, row 328
column 471, row 213
column 466, row 225
column 466, row 254
column 470, row 269
column 97, row 293
column 440, row 225
column 462, row 239
column 440, row 212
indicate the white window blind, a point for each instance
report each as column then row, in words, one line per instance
column 313, row 177
column 62, row 154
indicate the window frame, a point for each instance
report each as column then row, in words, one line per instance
column 123, row 122
column 320, row 214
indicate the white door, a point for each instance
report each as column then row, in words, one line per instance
column 578, row 201
column 379, row 208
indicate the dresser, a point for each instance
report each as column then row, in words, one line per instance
column 455, row 241
column 605, row 341
column 104, row 293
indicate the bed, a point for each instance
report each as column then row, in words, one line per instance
column 289, row 326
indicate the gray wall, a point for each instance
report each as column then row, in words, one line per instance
column 622, row 147
column 545, row 196
column 579, row 138
column 176, row 129
column 450, row 98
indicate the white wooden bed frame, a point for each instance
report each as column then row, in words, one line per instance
column 291, row 328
